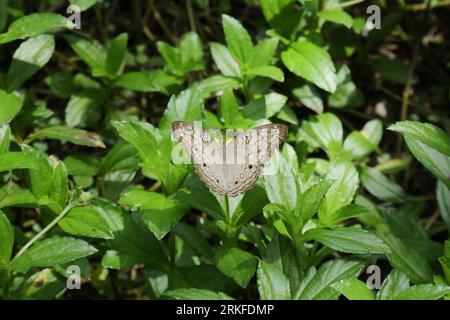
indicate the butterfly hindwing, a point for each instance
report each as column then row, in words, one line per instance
column 255, row 146
column 204, row 152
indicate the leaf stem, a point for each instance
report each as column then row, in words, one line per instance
column 190, row 11
column 160, row 21
column 227, row 209
column 45, row 230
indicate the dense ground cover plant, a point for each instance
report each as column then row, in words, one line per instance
column 87, row 182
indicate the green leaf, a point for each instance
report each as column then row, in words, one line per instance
column 75, row 136
column 194, row 238
column 238, row 40
column 283, row 186
column 59, row 190
column 92, row 53
column 61, row 84
column 349, row 240
column 143, row 136
column 14, row 196
column 347, row 95
column 122, row 156
column 41, row 173
column 86, row 221
column 341, row 193
column 133, row 243
column 208, row 86
column 425, row 133
column 236, row 264
column 443, row 199
column 191, row 50
column 338, row 16
column 282, row 254
column 357, row 146
column 224, row 60
column 435, row 161
column 10, row 106
column 250, row 205
column 155, row 149
column 16, row 160
column 316, row 285
column 264, row 52
column 373, row 131
column 380, row 186
column 324, row 131
column 33, row 25
column 81, row 165
column 423, row 292
column 196, row 294
column 186, row 106
column 148, row 81
column 3, row 14
column 46, row 284
column 271, row 8
column 116, row 54
column 267, row 71
column 394, row 283
column 353, row 289
column 159, row 213
column 29, row 57
column 195, row 194
column 265, row 107
column 309, row 97
column 282, row 16
column 313, row 63
column 406, row 259
column 171, row 56
column 272, row 283
column 51, row 252
column 5, row 137
column 6, row 240
column 229, row 108
column 309, row 201
column 77, row 110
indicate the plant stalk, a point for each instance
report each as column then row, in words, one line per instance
column 45, row 230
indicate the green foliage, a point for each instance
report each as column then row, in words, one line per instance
column 91, row 176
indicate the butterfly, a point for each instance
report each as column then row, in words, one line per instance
column 232, row 164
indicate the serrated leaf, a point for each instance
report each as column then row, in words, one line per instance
column 349, row 240
column 73, row 135
column 6, row 240
column 50, row 252
column 272, row 283
column 29, row 57
column 236, row 264
column 307, row 60
column 86, row 221
column 353, row 289
column 33, row 25
column 238, row 40
column 11, row 106
column 426, row 133
column 196, row 294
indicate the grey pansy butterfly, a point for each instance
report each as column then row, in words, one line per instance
column 229, row 165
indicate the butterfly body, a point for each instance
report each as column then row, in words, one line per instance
column 229, row 165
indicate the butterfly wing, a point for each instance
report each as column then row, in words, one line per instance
column 206, row 154
column 230, row 168
column 251, row 150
